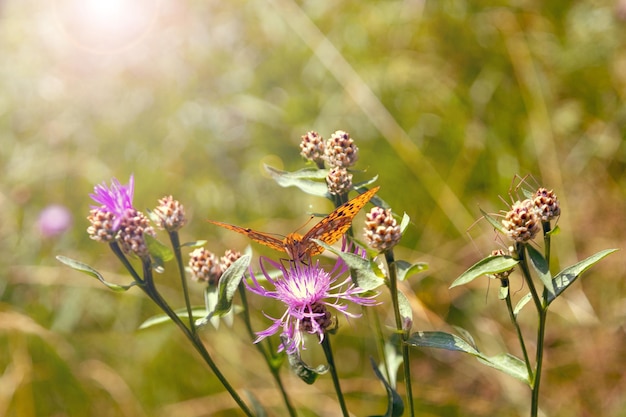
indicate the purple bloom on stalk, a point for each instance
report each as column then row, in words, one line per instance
column 308, row 291
column 116, row 199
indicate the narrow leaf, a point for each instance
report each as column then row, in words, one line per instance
column 79, row 266
column 493, row 221
column 489, row 265
column 404, row 222
column 508, row 364
column 158, row 251
column 505, row 363
column 197, row 313
column 521, row 303
column 196, row 244
column 406, row 269
column 441, row 340
column 308, row 180
column 566, row 277
column 259, row 411
column 228, row 284
column 395, row 406
column 540, row 265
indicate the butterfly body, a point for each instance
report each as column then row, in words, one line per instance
column 329, row 230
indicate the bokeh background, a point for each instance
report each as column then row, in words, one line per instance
column 448, row 100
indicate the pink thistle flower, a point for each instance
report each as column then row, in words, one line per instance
column 307, row 291
column 116, row 199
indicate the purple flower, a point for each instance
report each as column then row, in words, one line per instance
column 308, row 291
column 116, row 199
column 54, row 220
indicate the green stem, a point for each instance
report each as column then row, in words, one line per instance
column 148, row 287
column 406, row 362
column 333, row 372
column 541, row 330
column 546, row 240
column 270, row 360
column 509, row 305
column 521, row 253
column 175, row 240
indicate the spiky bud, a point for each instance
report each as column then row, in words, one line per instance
column 382, row 231
column 340, row 150
column 169, row 214
column 522, row 222
column 547, row 204
column 312, row 148
column 102, row 225
column 229, row 258
column 339, row 181
column 131, row 236
column 205, row 266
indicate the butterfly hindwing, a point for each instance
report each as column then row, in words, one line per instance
column 259, row 237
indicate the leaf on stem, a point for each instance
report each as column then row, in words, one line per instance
column 228, row 284
column 82, row 267
column 158, row 251
column 197, row 313
column 489, row 265
column 406, row 269
column 307, row 179
column 404, row 222
column 566, row 277
column 540, row 265
column 196, row 244
column 493, row 221
column 395, row 406
column 521, row 303
column 506, row 363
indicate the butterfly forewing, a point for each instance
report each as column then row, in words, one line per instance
column 329, row 230
column 259, row 237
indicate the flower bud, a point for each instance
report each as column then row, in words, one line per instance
column 339, row 181
column 522, row 222
column 381, row 229
column 547, row 204
column 169, row 214
column 340, row 150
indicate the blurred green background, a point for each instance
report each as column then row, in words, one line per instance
column 448, row 101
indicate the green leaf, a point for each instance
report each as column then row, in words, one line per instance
column 441, row 340
column 406, row 269
column 158, row 251
column 259, row 411
column 489, row 265
column 79, row 266
column 541, row 267
column 393, row 359
column 395, row 406
column 404, row 222
column 228, row 285
column 503, row 292
column 506, row 363
column 363, row 269
column 308, row 180
column 566, row 277
column 494, row 222
column 521, row 303
column 300, row 368
column 197, row 313
column 196, row 244
column 406, row 312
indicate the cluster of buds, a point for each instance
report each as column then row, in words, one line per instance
column 338, row 153
column 522, row 221
column 116, row 220
column 205, row 266
column 382, row 231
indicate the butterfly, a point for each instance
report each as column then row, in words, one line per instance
column 329, row 230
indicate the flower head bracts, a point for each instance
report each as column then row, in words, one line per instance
column 307, row 290
column 116, row 199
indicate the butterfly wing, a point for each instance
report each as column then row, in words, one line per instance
column 259, row 237
column 330, row 229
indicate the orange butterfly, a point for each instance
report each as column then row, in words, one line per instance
column 329, row 230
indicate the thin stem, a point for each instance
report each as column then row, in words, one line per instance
column 175, row 240
column 520, row 336
column 541, row 330
column 270, row 360
column 333, row 372
column 521, row 253
column 546, row 240
column 147, row 286
column 406, row 359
